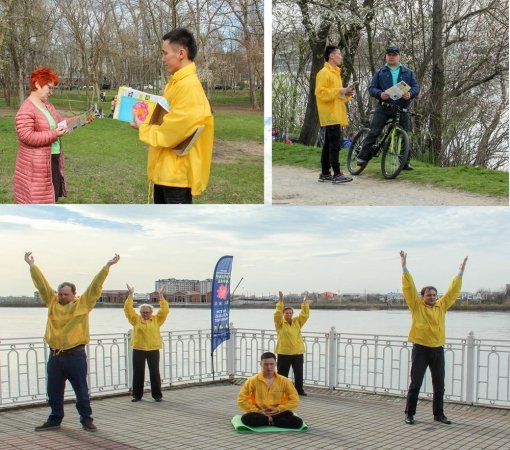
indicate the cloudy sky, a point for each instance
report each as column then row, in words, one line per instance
column 275, row 248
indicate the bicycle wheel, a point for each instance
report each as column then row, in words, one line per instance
column 395, row 154
column 354, row 151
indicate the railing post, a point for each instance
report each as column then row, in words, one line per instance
column 470, row 369
column 129, row 362
column 332, row 358
column 231, row 352
column 200, row 359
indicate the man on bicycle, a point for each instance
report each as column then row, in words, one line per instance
column 390, row 74
column 331, row 98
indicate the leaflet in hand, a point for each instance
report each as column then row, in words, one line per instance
column 131, row 102
column 80, row 121
column 398, row 90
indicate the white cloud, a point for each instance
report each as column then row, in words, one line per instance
column 275, row 248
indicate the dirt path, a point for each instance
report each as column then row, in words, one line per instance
column 299, row 186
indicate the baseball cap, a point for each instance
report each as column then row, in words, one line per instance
column 393, row 49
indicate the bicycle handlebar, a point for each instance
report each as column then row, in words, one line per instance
column 398, row 108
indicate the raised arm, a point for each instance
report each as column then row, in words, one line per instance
column 164, row 309
column 403, row 260
column 40, row 282
column 278, row 314
column 129, row 311
column 93, row 292
column 462, row 266
column 304, row 314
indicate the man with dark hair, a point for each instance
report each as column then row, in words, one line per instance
column 290, row 346
column 331, row 98
column 67, row 333
column 176, row 177
column 269, row 398
column 427, row 334
column 390, row 74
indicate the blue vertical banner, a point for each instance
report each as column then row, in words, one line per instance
column 220, row 302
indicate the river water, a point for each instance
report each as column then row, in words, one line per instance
column 30, row 322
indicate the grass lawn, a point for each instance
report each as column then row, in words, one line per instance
column 106, row 163
column 471, row 179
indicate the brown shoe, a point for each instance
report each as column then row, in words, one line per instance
column 88, row 425
column 48, row 426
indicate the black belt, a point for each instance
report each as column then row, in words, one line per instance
column 69, row 351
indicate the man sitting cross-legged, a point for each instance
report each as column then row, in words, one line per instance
column 269, row 398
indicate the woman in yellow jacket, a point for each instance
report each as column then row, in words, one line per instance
column 146, row 343
column 290, row 346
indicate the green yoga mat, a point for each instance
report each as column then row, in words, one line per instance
column 242, row 428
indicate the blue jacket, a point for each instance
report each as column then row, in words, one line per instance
column 382, row 80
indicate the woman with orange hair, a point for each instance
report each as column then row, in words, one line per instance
column 39, row 171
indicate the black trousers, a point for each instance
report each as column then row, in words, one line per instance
column 379, row 119
column 284, row 363
column 152, row 358
column 284, row 419
column 421, row 358
column 172, row 195
column 331, row 149
column 56, row 176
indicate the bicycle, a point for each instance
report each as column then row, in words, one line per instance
column 393, row 142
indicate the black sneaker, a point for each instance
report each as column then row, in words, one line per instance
column 323, row 178
column 340, row 178
column 136, row 399
column 408, row 167
column 302, row 393
column 409, row 419
column 158, row 399
column 47, row 426
column 88, row 425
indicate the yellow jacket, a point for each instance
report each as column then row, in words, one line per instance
column 255, row 395
column 146, row 334
column 428, row 325
column 332, row 109
column 290, row 341
column 68, row 325
column 189, row 108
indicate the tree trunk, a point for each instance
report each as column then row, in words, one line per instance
column 317, row 42
column 437, row 85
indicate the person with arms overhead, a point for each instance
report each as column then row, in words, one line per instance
column 427, row 334
column 269, row 398
column 177, row 178
column 67, row 333
column 290, row 347
column 146, row 343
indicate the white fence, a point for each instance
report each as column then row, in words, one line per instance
column 477, row 371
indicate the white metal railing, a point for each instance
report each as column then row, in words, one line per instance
column 477, row 371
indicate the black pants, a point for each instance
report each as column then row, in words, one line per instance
column 421, row 358
column 284, row 419
column 283, row 364
column 152, row 357
column 56, row 176
column 331, row 149
column 172, row 195
column 379, row 119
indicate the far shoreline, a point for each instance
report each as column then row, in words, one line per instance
column 347, row 307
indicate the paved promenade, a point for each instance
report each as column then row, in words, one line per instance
column 199, row 418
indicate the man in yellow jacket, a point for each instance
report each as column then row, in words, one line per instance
column 269, row 398
column 331, row 98
column 146, row 343
column 427, row 334
column 67, row 333
column 290, row 347
column 176, row 178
